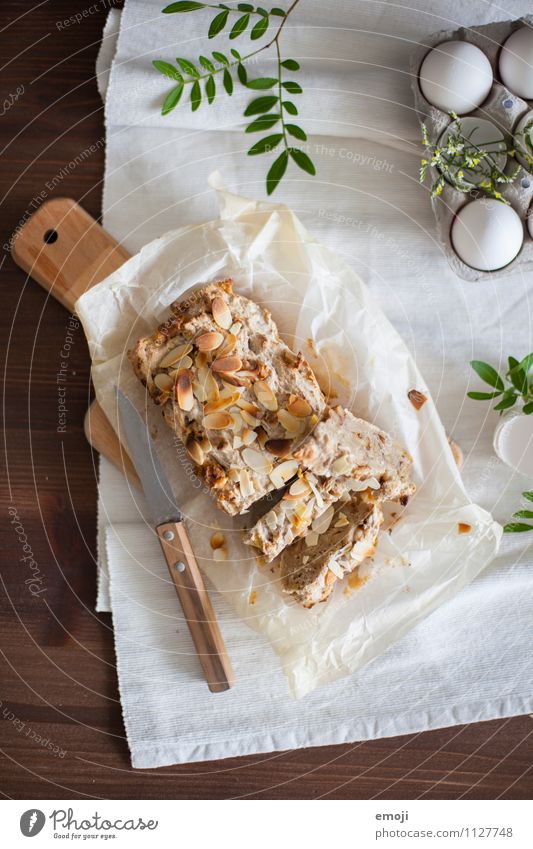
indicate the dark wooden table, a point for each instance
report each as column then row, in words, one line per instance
column 59, row 685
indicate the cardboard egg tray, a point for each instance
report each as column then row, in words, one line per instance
column 504, row 109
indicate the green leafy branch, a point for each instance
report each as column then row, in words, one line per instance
column 520, row 527
column 268, row 110
column 467, row 166
column 516, row 384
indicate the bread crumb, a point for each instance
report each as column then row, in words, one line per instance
column 417, row 399
column 217, row 540
column 463, row 528
column 252, row 597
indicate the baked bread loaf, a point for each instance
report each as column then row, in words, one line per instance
column 337, row 544
column 233, row 392
column 344, row 454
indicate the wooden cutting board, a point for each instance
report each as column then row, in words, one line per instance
column 67, row 252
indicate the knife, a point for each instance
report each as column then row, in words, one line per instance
column 179, row 556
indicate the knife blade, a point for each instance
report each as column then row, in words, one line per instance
column 177, row 549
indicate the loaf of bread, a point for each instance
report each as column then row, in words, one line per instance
column 343, row 455
column 338, row 542
column 233, row 392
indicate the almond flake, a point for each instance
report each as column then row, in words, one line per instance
column 262, row 437
column 341, row 466
column 175, row 354
column 246, row 484
column 299, row 489
column 209, row 341
column 237, row 424
column 250, row 420
column 305, row 559
column 184, row 391
column 279, row 447
column 184, row 362
column 221, row 403
column 221, row 312
column 311, row 539
column 217, row 540
column 237, row 443
column 290, row 423
column 299, row 407
column 265, row 395
column 248, row 436
column 163, row 382
column 336, row 569
column 230, row 343
column 199, row 391
column 342, row 521
column 322, row 522
column 271, row 520
column 257, row 460
column 250, row 408
column 236, row 328
column 226, row 364
column 195, row 451
column 218, row 421
column 283, row 472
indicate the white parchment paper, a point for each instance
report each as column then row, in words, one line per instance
column 322, row 308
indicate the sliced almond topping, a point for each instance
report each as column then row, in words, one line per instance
column 257, row 460
column 209, row 384
column 230, row 343
column 250, row 408
column 200, row 359
column 298, row 489
column 246, row 484
column 237, row 424
column 209, row 341
column 217, row 540
column 163, row 382
column 195, row 451
column 265, row 395
column 235, row 329
column 291, row 423
column 199, row 391
column 279, row 447
column 221, row 312
column 218, row 421
column 226, row 364
column 305, row 558
column 342, row 521
column 341, row 466
column 175, row 354
column 185, row 362
column 248, row 436
column 237, row 443
column 311, row 539
column 299, row 407
column 271, row 520
column 184, row 391
column 336, row 569
column 250, row 420
column 322, row 522
column 221, row 403
column 283, row 472
column 233, row 474
column 304, row 510
column 262, row 437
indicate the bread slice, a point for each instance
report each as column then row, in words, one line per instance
column 233, row 392
column 344, row 454
column 346, row 534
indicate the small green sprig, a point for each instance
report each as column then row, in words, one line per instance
column 520, row 527
column 269, row 111
column 460, row 157
column 516, row 384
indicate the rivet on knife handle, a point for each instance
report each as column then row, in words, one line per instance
column 196, row 606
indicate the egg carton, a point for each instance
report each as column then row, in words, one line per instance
column 504, row 109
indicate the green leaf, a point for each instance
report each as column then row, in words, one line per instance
column 188, row 67
column 167, row 69
column 196, row 96
column 527, row 362
column 289, row 107
column 235, row 54
column 239, row 26
column 523, row 514
column 259, row 29
column 172, row 99
column 210, row 89
column 242, row 74
column 245, row 7
column 519, row 379
column 290, row 64
column 528, row 408
column 262, row 82
column 207, row 64
column 279, row 12
column 261, row 11
column 265, row 145
column 183, row 6
column 261, row 104
column 264, row 122
column 483, row 396
column 303, row 161
column 295, row 131
column 220, row 57
column 528, row 496
column 513, row 363
column 218, row 23
column 516, row 528
column 506, row 402
column 292, row 87
column 227, row 81
column 276, row 172
column 488, row 374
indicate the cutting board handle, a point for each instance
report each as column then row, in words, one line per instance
column 66, row 250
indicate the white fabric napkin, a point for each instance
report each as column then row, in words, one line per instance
column 471, row 659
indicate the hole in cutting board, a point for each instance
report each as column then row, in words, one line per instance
column 50, row 237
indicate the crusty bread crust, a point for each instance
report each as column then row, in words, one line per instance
column 229, row 394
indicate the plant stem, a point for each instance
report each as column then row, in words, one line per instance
column 281, row 96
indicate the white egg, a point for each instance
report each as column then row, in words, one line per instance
column 455, row 76
column 521, row 140
column 487, row 234
column 483, row 134
column 516, row 63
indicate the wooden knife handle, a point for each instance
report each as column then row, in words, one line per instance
column 196, row 606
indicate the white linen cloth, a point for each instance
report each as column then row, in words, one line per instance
column 471, row 659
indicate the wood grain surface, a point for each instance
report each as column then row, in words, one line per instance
column 61, row 730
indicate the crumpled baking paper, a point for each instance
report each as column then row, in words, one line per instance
column 323, row 309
